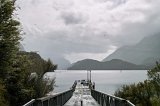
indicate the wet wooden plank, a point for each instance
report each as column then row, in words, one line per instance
column 82, row 94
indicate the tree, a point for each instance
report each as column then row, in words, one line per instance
column 9, row 40
column 3, row 101
column 9, row 37
column 145, row 93
column 17, row 88
column 43, row 85
column 33, row 69
column 140, row 93
column 15, row 69
column 154, row 77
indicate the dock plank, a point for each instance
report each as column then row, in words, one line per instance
column 81, row 93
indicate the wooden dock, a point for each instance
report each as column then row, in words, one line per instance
column 81, row 97
column 82, row 93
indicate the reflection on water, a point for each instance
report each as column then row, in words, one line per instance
column 105, row 81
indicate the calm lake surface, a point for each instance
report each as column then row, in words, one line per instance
column 106, row 81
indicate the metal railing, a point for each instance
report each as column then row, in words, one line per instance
column 54, row 100
column 109, row 100
column 91, row 85
column 30, row 103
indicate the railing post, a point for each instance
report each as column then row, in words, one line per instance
column 101, row 99
column 57, row 98
column 38, row 103
column 56, row 101
column 81, row 102
column 123, row 103
column 48, row 102
column 107, row 100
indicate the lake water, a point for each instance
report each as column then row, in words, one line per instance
column 107, row 81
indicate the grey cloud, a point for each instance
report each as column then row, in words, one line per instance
column 72, row 18
column 69, row 28
column 79, row 45
column 132, row 33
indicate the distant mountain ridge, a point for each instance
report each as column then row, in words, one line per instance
column 115, row 64
column 146, row 52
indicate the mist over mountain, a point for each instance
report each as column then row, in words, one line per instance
column 115, row 64
column 63, row 64
column 142, row 55
column 145, row 52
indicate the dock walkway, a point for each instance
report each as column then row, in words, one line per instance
column 81, row 94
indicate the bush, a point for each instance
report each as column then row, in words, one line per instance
column 145, row 93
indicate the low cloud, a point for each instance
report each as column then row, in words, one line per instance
column 60, row 28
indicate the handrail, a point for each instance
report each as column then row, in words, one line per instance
column 30, row 103
column 74, row 85
column 56, row 100
column 131, row 104
column 109, row 100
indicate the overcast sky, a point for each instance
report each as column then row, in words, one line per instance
column 78, row 29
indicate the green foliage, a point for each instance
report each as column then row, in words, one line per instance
column 3, row 101
column 137, row 93
column 9, row 40
column 9, row 37
column 15, row 82
column 37, row 64
column 24, row 84
column 154, row 77
column 34, row 68
column 144, row 93
column 16, row 68
column 155, row 101
column 42, row 86
column 48, row 67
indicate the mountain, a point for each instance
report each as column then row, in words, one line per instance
column 63, row 64
column 115, row 64
column 145, row 52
